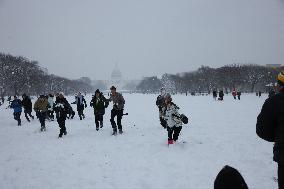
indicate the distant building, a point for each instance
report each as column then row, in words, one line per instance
column 273, row 65
column 117, row 80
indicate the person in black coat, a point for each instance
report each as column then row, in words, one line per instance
column 99, row 103
column 221, row 95
column 214, row 94
column 61, row 107
column 81, row 104
column 28, row 107
column 270, row 126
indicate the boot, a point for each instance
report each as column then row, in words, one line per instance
column 170, row 141
column 120, row 131
column 114, row 132
column 102, row 124
column 65, row 133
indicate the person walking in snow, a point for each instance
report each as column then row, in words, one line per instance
column 50, row 111
column 172, row 117
column 28, row 107
column 40, row 107
column 234, row 93
column 81, row 104
column 221, row 95
column 99, row 103
column 117, row 110
column 270, row 126
column 214, row 94
column 61, row 108
column 239, row 95
column 16, row 105
column 160, row 102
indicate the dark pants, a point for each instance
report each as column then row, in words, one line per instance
column 17, row 117
column 280, row 176
column 28, row 113
column 61, row 123
column 41, row 117
column 80, row 111
column 173, row 133
column 99, row 118
column 119, row 114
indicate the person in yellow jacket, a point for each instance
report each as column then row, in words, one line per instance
column 40, row 107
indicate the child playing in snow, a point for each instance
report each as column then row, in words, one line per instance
column 172, row 117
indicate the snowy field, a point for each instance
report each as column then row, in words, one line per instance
column 218, row 133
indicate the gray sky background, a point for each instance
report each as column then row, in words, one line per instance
column 74, row 38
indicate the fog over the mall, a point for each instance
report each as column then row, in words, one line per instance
column 73, row 38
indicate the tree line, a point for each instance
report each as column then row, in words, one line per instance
column 20, row 75
column 242, row 77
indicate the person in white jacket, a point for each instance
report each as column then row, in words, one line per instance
column 172, row 117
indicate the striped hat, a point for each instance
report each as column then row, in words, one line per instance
column 280, row 78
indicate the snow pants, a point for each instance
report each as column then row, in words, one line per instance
column 41, row 117
column 173, row 132
column 80, row 110
column 61, row 123
column 119, row 114
column 99, row 118
column 28, row 113
column 17, row 117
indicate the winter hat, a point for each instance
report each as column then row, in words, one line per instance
column 229, row 178
column 280, row 78
column 112, row 88
column 97, row 91
column 41, row 96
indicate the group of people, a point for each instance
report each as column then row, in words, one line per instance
column 45, row 107
column 235, row 94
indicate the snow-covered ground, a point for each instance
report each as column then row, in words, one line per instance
column 218, row 133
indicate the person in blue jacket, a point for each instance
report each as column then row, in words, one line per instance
column 17, row 106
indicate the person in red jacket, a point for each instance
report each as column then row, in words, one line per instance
column 234, row 93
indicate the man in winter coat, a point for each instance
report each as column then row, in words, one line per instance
column 172, row 117
column 16, row 105
column 80, row 102
column 40, row 107
column 61, row 107
column 99, row 103
column 28, row 107
column 118, row 107
column 214, row 94
column 270, row 126
column 160, row 102
column 221, row 95
column 239, row 95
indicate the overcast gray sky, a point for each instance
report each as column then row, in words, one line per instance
column 74, row 38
